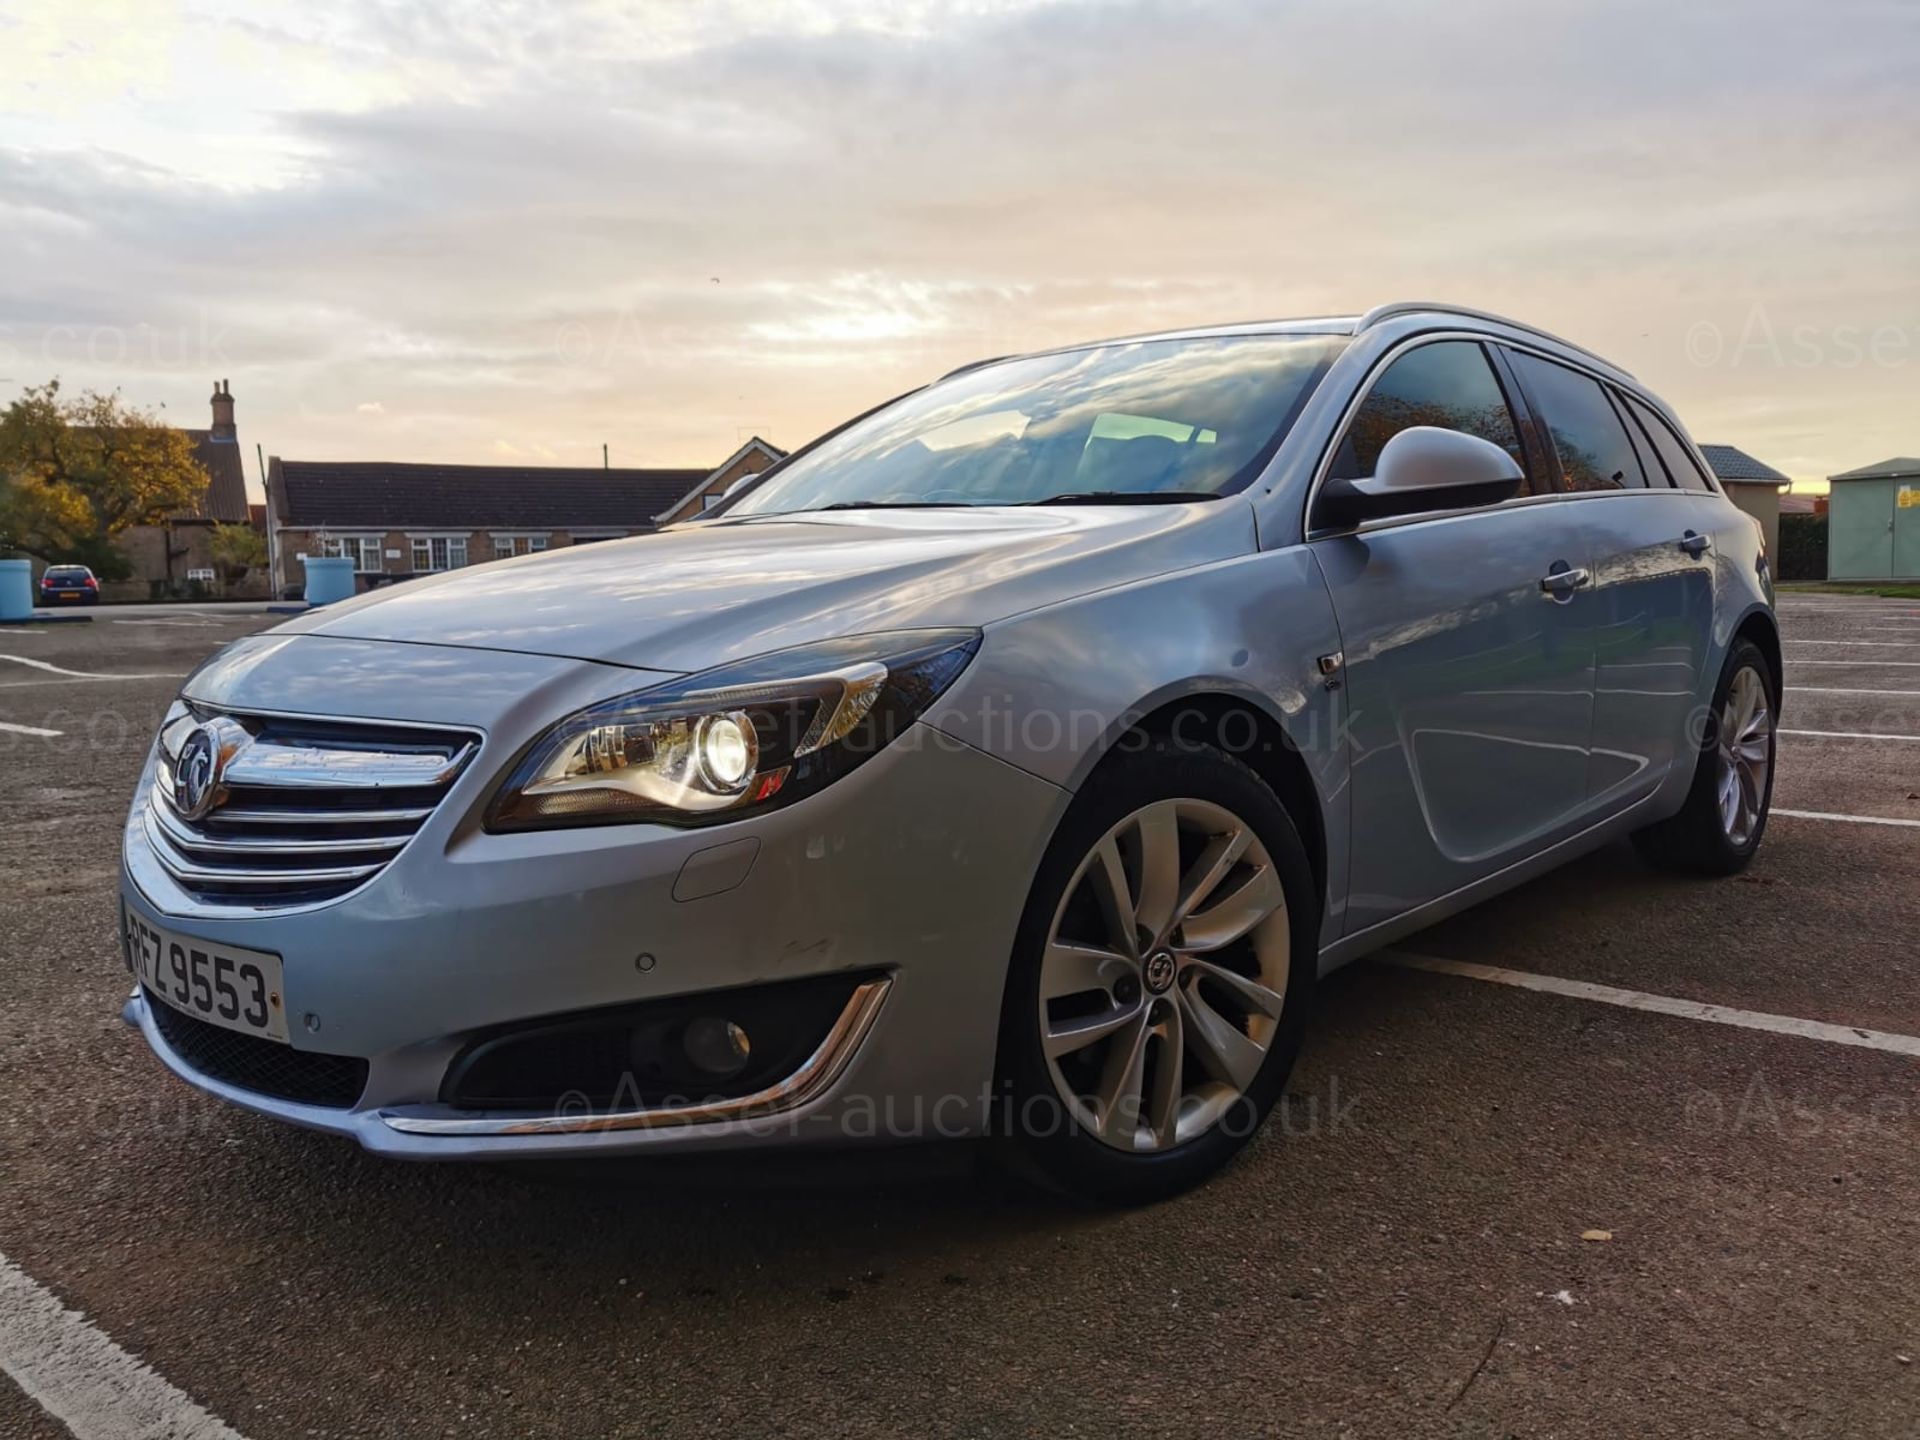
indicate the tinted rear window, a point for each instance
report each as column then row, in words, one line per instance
column 1595, row 451
column 1675, row 456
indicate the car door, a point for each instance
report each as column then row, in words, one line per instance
column 1469, row 676
column 1650, row 605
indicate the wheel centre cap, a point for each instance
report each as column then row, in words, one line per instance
column 1158, row 972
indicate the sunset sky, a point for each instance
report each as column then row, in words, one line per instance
column 521, row 230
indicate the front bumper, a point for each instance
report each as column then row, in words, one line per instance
column 913, row 869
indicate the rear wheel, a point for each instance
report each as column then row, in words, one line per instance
column 1160, row 983
column 1718, row 830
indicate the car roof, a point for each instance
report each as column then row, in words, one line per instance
column 1458, row 316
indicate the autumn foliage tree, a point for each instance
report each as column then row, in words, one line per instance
column 238, row 549
column 75, row 474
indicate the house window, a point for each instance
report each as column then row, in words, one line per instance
column 439, row 552
column 506, row 546
column 363, row 550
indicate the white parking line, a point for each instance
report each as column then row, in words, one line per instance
column 1836, row 690
column 80, row 674
column 84, row 1380
column 1881, row 664
column 1847, row 735
column 1846, row 819
column 1662, row 1004
column 13, row 729
column 1874, row 644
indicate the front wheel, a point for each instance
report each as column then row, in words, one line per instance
column 1718, row 830
column 1160, row 981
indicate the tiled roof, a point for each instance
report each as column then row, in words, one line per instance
column 1885, row 470
column 226, row 497
column 1730, row 464
column 381, row 495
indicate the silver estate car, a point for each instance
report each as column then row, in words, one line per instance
column 1011, row 762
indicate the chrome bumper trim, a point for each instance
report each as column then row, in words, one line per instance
column 813, row 1079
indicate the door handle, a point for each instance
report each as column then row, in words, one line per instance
column 1563, row 582
column 1696, row 544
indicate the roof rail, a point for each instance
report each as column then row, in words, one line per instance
column 1381, row 313
column 976, row 365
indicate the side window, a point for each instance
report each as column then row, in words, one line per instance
column 1449, row 383
column 1679, row 462
column 1650, row 466
column 1595, row 453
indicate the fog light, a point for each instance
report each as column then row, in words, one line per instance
column 717, row 1048
column 728, row 749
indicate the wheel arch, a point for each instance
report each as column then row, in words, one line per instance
column 1251, row 734
column 1762, row 627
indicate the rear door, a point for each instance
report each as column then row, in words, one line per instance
column 1469, row 685
column 1650, row 607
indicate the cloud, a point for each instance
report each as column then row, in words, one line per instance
column 518, row 216
column 370, row 407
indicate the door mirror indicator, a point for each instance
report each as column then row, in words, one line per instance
column 1423, row 468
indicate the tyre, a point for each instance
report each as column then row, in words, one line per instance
column 1719, row 828
column 1160, row 981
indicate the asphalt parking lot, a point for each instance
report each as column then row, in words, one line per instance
column 1400, row 1253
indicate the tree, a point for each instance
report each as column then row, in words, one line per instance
column 237, row 549
column 75, row 474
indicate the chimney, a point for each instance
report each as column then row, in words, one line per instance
column 223, row 427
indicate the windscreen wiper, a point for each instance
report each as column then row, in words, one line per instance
column 1127, row 497
column 893, row 505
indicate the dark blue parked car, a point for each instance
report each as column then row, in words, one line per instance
column 69, row 585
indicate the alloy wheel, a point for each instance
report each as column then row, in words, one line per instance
column 1744, row 752
column 1165, row 975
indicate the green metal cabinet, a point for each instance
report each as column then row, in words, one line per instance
column 1860, row 530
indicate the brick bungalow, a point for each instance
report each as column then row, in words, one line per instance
column 400, row 519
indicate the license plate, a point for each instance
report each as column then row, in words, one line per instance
column 220, row 984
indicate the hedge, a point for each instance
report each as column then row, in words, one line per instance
column 1803, row 548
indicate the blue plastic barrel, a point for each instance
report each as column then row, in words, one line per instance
column 329, row 578
column 16, row 589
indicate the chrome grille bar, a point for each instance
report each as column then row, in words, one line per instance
column 304, row 809
column 188, row 872
column 182, row 836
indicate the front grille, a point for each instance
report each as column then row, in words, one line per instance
column 263, row 1066
column 303, row 811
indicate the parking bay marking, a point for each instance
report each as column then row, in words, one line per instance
column 10, row 728
column 81, row 1378
column 1661, row 1004
column 1847, row 819
column 1842, row 690
column 1847, row 735
column 79, row 674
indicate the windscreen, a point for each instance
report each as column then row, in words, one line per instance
column 1139, row 420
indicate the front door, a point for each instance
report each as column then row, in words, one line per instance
column 1468, row 661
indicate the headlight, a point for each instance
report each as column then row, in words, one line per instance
column 751, row 736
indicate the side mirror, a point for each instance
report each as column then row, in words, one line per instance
column 1422, row 468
